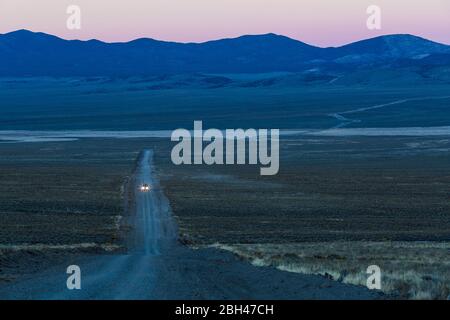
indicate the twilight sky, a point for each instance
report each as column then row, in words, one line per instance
column 318, row 22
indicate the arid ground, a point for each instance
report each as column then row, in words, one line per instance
column 338, row 205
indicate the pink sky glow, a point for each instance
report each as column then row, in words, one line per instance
column 317, row 22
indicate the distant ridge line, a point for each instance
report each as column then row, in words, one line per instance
column 220, row 39
column 26, row 53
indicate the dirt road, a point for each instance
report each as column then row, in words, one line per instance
column 158, row 267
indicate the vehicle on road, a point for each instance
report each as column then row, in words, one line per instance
column 144, row 187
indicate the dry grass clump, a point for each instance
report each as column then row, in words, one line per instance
column 410, row 270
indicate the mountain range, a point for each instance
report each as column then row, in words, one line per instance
column 26, row 53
